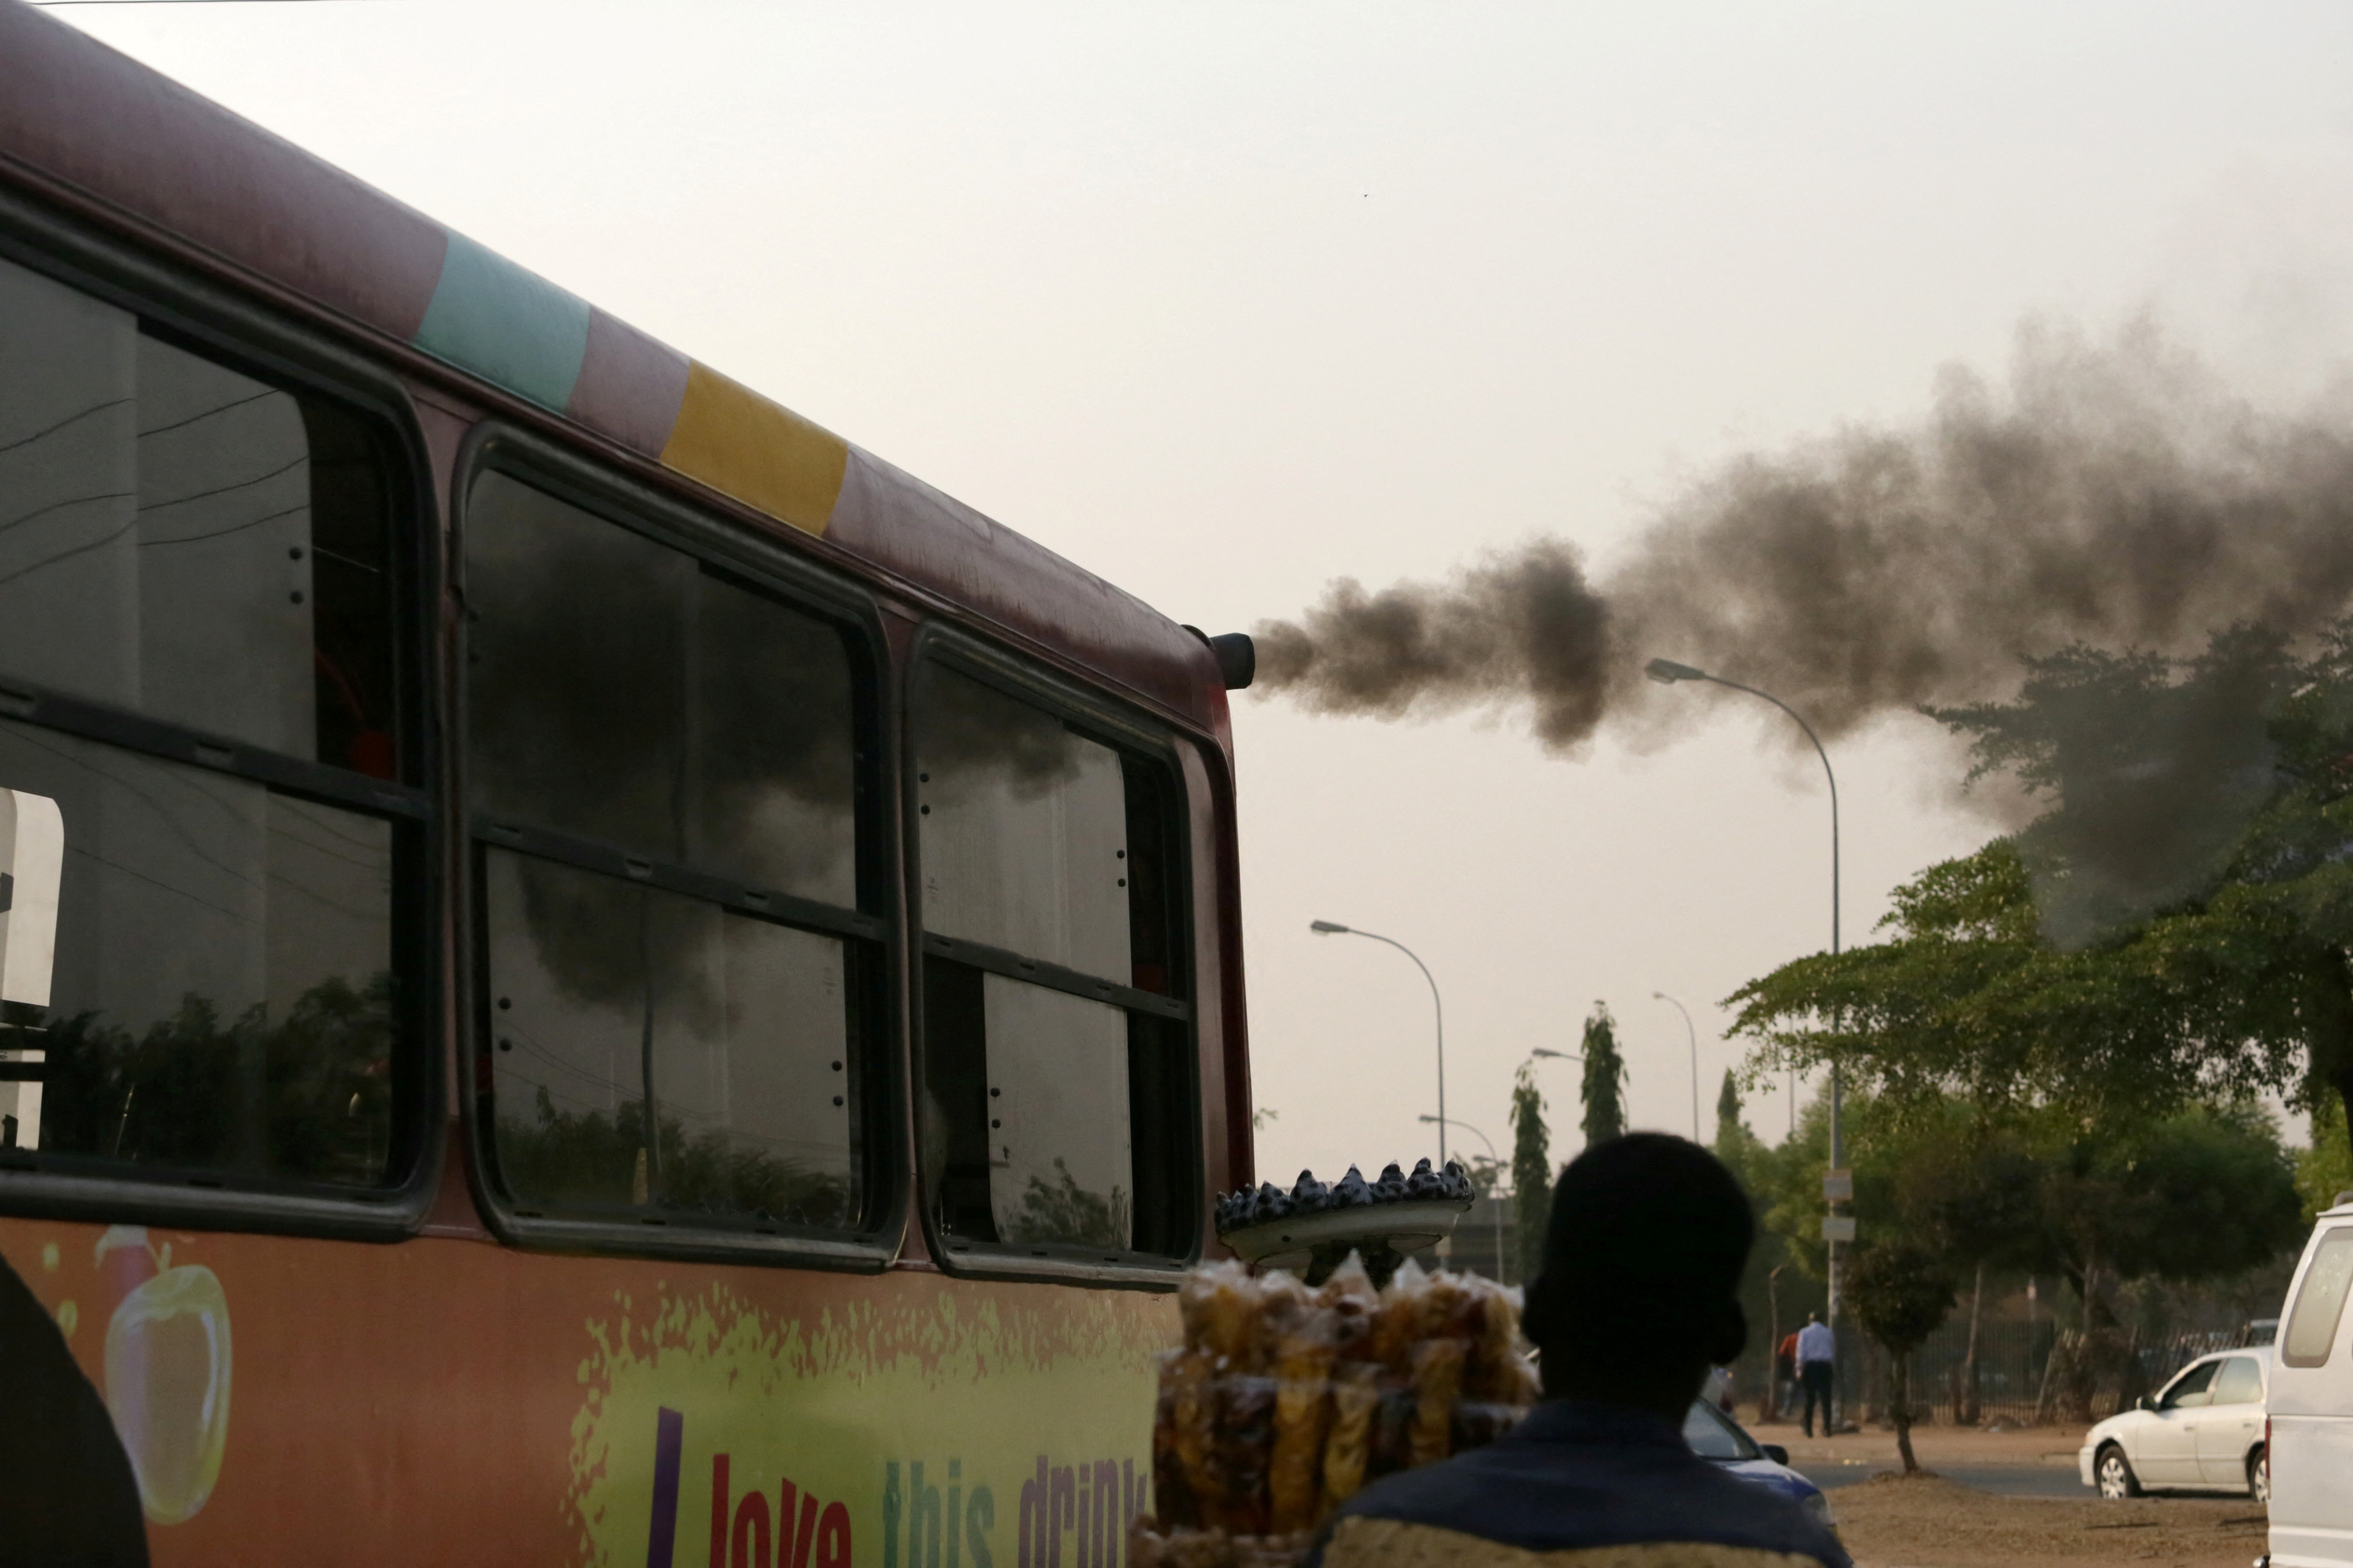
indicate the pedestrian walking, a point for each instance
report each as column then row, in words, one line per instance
column 1817, row 1355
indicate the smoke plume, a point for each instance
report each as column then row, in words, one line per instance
column 2113, row 492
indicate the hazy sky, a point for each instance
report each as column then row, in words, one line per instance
column 1226, row 301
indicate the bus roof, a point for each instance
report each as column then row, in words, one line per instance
column 96, row 130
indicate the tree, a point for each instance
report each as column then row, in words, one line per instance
column 2176, row 927
column 1900, row 1293
column 1604, row 1088
column 2325, row 1169
column 1727, row 1111
column 1969, row 1188
column 2205, row 1193
column 1531, row 1170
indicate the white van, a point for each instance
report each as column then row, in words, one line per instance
column 2310, row 1405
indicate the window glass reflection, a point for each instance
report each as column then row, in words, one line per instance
column 1051, row 1115
column 621, row 692
column 219, row 989
column 1060, row 1167
column 606, row 996
column 182, row 539
column 1023, row 827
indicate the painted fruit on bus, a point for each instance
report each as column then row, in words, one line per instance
column 167, row 1379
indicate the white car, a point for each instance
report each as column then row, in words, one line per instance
column 2203, row 1432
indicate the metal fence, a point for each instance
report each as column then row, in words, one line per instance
column 2033, row 1372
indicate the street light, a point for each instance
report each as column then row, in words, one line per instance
column 1494, row 1209
column 1333, row 928
column 1667, row 672
column 1694, row 1033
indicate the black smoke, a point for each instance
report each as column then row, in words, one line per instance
column 2113, row 492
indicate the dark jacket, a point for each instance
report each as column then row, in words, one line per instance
column 1581, row 1481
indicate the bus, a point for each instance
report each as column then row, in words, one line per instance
column 592, row 974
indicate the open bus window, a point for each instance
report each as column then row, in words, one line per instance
column 1056, row 1105
column 32, row 863
column 182, row 541
column 663, row 765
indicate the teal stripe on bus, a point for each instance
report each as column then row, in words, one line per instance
column 507, row 325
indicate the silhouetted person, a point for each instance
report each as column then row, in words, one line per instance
column 1816, row 1363
column 1638, row 1299
column 67, row 1496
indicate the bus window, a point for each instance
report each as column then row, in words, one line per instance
column 197, row 611
column 663, row 762
column 184, row 542
column 1057, row 1103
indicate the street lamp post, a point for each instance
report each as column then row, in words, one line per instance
column 1667, row 672
column 1494, row 1208
column 1694, row 1033
column 1438, row 1008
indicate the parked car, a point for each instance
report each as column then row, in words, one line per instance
column 2311, row 1404
column 2203, row 1432
column 1713, row 1434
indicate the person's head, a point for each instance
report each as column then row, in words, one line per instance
column 1639, row 1291
column 1813, row 1316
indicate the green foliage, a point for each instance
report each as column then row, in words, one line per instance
column 1532, row 1174
column 2204, row 1193
column 2173, row 930
column 1604, row 1086
column 307, row 1096
column 1900, row 1293
column 1064, row 1212
column 591, row 1157
column 1727, row 1107
column 2325, row 1169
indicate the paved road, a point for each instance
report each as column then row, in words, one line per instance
column 2002, row 1481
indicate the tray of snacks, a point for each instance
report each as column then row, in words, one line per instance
column 1286, row 1399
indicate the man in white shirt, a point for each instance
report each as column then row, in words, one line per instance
column 1817, row 1353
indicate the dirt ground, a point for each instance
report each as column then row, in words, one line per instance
column 1930, row 1523
column 1936, row 1522
column 1933, row 1445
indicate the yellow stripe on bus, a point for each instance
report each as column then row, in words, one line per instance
column 763, row 454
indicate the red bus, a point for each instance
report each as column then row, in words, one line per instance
column 591, row 973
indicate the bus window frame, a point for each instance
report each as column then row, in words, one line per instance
column 235, row 330
column 1105, row 719
column 768, row 566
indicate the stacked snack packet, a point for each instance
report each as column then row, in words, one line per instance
column 1284, row 1401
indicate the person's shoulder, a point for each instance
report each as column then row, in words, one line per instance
column 1362, row 1540
column 1507, row 1507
